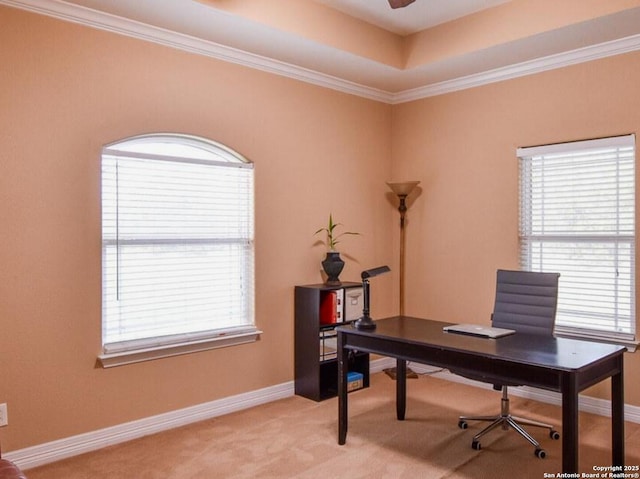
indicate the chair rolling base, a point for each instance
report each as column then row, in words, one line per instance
column 506, row 420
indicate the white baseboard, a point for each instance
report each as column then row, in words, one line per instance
column 601, row 407
column 72, row 446
column 94, row 440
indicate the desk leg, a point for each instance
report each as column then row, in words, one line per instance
column 617, row 417
column 569, row 424
column 401, row 388
column 342, row 391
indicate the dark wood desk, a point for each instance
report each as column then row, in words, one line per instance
column 564, row 365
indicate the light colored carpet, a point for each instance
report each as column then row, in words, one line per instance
column 297, row 438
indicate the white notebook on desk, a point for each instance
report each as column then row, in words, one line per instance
column 478, row 330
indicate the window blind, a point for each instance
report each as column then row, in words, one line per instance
column 577, row 217
column 178, row 242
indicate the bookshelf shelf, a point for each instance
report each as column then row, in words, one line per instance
column 318, row 310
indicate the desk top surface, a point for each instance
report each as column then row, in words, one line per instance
column 548, row 351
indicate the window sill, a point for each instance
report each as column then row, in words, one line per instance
column 109, row 360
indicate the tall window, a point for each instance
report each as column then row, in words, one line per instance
column 577, row 205
column 177, row 247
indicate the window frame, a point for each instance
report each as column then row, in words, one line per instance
column 527, row 236
column 210, row 153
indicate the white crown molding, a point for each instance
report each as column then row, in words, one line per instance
column 112, row 23
column 131, row 28
column 539, row 65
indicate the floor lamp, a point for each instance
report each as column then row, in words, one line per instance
column 402, row 190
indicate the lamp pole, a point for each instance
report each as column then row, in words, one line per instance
column 402, row 190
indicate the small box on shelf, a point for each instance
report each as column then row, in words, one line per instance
column 353, row 303
column 355, row 381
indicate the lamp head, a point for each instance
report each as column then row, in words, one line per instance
column 370, row 273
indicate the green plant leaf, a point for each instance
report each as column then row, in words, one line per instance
column 332, row 238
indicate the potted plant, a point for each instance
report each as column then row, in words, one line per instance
column 333, row 264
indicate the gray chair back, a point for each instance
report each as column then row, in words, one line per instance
column 526, row 301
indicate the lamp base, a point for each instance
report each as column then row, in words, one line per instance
column 365, row 323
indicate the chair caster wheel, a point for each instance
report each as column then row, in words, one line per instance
column 476, row 445
column 554, row 434
column 463, row 424
column 540, row 453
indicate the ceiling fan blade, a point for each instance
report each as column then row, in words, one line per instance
column 400, row 3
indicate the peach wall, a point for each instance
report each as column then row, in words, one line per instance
column 462, row 146
column 67, row 90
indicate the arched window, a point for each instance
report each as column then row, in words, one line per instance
column 177, row 247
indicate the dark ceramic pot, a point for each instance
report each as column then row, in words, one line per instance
column 333, row 265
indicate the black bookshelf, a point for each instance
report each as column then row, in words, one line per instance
column 316, row 364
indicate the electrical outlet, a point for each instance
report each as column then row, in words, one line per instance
column 4, row 419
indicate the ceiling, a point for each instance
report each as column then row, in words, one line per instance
column 413, row 18
column 365, row 48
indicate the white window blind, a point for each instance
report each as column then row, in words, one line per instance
column 577, row 217
column 177, row 242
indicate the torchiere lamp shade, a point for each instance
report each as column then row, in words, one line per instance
column 404, row 188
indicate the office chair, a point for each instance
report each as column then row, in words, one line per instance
column 525, row 301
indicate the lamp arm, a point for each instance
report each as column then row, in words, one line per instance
column 366, row 296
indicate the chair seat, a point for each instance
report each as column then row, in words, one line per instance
column 485, row 378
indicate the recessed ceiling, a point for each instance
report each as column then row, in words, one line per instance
column 418, row 16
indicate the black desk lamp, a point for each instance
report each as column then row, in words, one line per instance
column 365, row 322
